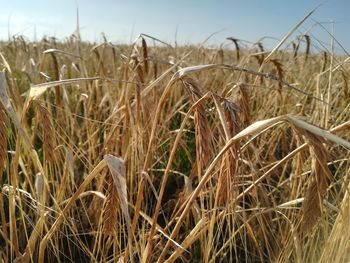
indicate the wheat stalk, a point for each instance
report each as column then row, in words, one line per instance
column 201, row 124
column 319, row 181
column 48, row 134
column 235, row 41
column 3, row 139
column 110, row 209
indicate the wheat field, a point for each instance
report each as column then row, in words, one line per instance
column 150, row 152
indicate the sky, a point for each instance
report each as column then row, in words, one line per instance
column 183, row 21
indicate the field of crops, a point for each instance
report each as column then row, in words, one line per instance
column 152, row 152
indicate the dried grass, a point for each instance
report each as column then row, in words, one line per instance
column 212, row 166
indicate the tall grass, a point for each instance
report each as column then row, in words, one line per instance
column 150, row 153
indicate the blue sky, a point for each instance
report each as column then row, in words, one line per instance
column 194, row 21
